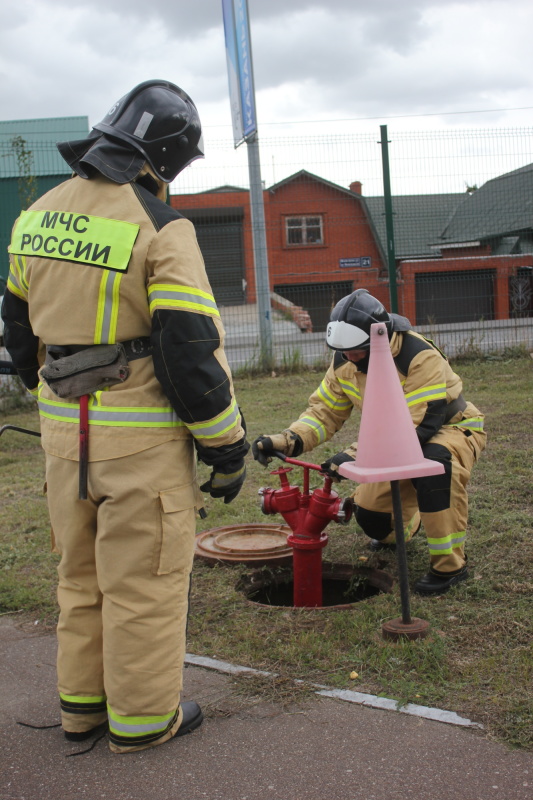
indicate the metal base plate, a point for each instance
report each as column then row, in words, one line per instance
column 397, row 629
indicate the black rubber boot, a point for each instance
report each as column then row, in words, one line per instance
column 192, row 718
column 438, row 584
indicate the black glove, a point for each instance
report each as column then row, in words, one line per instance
column 331, row 466
column 286, row 442
column 226, row 480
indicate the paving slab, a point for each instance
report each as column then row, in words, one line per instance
column 319, row 749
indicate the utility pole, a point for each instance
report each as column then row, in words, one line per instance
column 242, row 98
column 389, row 223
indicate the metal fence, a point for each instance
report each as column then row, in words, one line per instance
column 457, row 247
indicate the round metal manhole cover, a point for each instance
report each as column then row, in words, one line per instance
column 245, row 544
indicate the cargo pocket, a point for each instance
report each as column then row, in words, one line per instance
column 175, row 538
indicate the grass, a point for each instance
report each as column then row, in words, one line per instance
column 477, row 659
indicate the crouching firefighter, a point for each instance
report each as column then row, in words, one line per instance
column 111, row 323
column 449, row 429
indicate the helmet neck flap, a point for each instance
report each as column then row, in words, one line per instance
column 157, row 122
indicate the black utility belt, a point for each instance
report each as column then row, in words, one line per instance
column 76, row 370
column 133, row 348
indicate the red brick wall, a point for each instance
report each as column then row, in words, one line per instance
column 347, row 233
column 505, row 267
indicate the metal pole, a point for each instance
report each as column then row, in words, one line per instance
column 391, row 257
column 400, row 552
column 262, row 282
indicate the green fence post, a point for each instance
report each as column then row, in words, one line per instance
column 391, row 257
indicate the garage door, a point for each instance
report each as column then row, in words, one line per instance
column 461, row 296
column 219, row 233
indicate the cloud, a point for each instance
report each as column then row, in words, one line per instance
column 313, row 60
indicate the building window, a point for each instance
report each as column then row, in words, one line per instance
column 304, row 230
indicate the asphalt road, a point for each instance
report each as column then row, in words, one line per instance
column 322, row 749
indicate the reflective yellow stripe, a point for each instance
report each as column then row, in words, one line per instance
column 425, row 395
column 112, row 416
column 349, row 389
column 133, row 417
column 108, row 304
column 217, row 426
column 317, row 426
column 446, row 544
column 21, row 263
column 81, row 238
column 74, row 698
column 471, row 424
column 162, row 295
column 330, row 400
column 17, row 282
column 15, row 289
column 136, row 726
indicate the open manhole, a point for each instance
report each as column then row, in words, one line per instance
column 258, row 544
column 342, row 586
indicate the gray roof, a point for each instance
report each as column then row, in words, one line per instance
column 418, row 221
column 501, row 207
column 40, row 137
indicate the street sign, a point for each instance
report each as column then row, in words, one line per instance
column 240, row 70
column 362, row 262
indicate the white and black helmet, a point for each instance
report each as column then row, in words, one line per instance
column 351, row 319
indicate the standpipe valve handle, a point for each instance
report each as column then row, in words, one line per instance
column 307, row 514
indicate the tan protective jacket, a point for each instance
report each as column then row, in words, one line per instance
column 96, row 262
column 429, row 385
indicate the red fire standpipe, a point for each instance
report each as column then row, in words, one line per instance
column 307, row 514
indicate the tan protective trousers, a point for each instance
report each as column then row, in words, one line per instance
column 126, row 557
column 445, row 528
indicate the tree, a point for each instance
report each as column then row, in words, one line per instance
column 27, row 187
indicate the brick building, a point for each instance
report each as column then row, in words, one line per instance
column 459, row 257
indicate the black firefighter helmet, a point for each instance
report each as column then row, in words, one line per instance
column 351, row 319
column 155, row 122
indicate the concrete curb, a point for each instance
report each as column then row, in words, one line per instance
column 359, row 698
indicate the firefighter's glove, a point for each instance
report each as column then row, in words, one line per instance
column 331, row 466
column 226, row 480
column 286, row 442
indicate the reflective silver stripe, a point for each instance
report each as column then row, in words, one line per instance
column 218, row 426
column 145, row 727
column 473, row 423
column 114, row 417
column 330, row 400
column 317, row 427
column 108, row 304
column 437, row 392
column 350, row 389
column 133, row 726
column 168, row 296
column 16, row 280
column 446, row 544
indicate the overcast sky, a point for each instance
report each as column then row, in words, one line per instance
column 417, row 64
column 335, row 59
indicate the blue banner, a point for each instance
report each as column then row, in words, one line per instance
column 240, row 69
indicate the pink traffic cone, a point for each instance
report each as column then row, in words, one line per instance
column 388, row 448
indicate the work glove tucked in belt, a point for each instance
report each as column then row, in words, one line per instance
column 226, row 480
column 286, row 442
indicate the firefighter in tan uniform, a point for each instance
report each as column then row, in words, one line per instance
column 449, row 428
column 107, row 286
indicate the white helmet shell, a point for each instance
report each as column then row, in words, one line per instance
column 342, row 335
